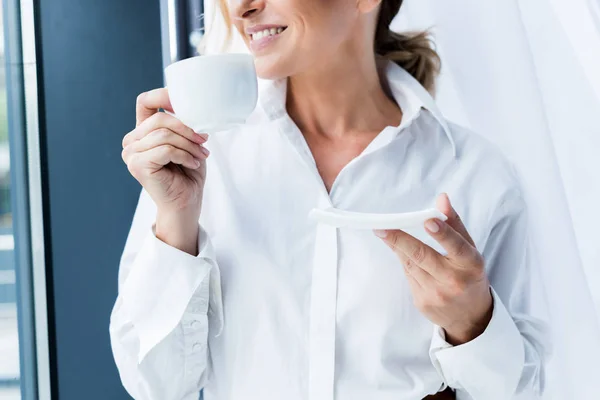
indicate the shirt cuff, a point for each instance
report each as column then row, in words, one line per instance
column 160, row 286
column 489, row 367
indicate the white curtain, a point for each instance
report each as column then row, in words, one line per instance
column 526, row 75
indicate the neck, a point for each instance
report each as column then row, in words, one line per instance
column 341, row 98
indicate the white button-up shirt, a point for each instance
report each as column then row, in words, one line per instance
column 278, row 307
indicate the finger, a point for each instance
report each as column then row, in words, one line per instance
column 443, row 204
column 163, row 120
column 457, row 246
column 148, row 104
column 421, row 277
column 422, row 255
column 158, row 157
column 415, row 286
column 162, row 137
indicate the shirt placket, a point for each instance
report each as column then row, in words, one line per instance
column 323, row 304
column 323, row 291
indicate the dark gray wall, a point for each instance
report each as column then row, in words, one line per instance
column 96, row 56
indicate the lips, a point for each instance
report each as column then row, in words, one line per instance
column 260, row 37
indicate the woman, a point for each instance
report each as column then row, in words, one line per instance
column 258, row 302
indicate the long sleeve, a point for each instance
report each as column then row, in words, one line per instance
column 507, row 360
column 159, row 325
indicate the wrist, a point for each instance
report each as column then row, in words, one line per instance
column 179, row 230
column 462, row 333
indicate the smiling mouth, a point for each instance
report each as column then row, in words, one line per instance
column 266, row 33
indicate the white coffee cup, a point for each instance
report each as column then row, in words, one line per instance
column 213, row 92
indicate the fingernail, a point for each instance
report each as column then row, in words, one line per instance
column 203, row 135
column 447, row 198
column 432, row 226
column 204, row 151
column 198, row 163
column 380, row 233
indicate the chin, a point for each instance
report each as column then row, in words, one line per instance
column 271, row 67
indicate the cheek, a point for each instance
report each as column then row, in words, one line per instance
column 317, row 44
column 317, row 31
column 320, row 23
column 325, row 35
column 301, row 51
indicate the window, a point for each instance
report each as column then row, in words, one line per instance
column 9, row 338
column 44, row 76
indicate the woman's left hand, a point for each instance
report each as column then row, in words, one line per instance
column 452, row 291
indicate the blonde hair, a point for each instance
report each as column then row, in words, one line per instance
column 413, row 51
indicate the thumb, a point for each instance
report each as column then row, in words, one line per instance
column 443, row 204
column 148, row 104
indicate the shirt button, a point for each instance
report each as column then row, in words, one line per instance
column 195, row 324
column 197, row 346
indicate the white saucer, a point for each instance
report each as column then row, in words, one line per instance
column 355, row 220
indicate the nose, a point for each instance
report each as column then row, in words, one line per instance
column 245, row 9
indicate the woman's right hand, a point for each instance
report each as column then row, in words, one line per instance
column 167, row 158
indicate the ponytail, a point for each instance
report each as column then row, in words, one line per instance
column 413, row 52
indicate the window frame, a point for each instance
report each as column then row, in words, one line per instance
column 27, row 197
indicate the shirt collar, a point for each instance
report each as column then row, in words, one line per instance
column 410, row 95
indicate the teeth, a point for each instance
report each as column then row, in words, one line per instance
column 265, row 33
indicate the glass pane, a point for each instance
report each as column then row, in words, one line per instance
column 9, row 337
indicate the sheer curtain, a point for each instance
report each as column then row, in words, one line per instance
column 526, row 75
